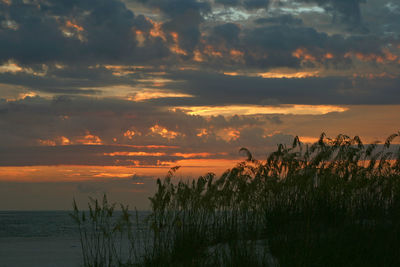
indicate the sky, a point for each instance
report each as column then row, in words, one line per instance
column 104, row 96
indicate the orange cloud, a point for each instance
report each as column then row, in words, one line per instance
column 329, row 56
column 228, row 134
column 59, row 140
column 69, row 24
column 129, row 134
column 11, row 67
column 211, row 51
column 203, row 132
column 132, row 154
column 236, row 53
column 156, row 31
column 255, row 109
column 157, row 129
column 308, row 139
column 280, row 75
column 140, row 37
column 371, row 76
column 382, row 59
column 390, row 56
column 89, row 139
column 192, row 155
column 147, row 94
column 303, row 54
column 197, row 56
column 175, row 47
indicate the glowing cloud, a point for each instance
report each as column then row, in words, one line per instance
column 89, row 139
column 277, row 74
column 254, row 110
column 132, row 154
column 193, row 155
column 129, row 134
column 11, row 67
column 147, row 94
column 70, row 24
column 157, row 129
column 58, row 141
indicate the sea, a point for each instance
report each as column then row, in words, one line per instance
column 40, row 238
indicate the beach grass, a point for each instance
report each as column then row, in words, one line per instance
column 333, row 203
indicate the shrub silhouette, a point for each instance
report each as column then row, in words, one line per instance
column 335, row 202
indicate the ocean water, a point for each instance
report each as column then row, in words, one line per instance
column 28, row 224
column 40, row 238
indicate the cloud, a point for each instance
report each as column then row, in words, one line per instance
column 347, row 11
column 247, row 4
column 42, row 131
column 285, row 19
column 75, row 31
column 218, row 89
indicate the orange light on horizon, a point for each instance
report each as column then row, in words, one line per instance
column 74, row 173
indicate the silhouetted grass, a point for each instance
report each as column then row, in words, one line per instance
column 334, row 203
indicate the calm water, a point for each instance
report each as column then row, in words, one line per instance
column 37, row 224
column 57, row 224
column 40, row 238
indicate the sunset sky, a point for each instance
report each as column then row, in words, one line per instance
column 107, row 95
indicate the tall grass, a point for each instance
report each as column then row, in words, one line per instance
column 335, row 202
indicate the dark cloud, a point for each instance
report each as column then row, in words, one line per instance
column 184, row 18
column 248, row 4
column 175, row 8
column 67, row 155
column 343, row 11
column 228, row 33
column 277, row 44
column 78, row 32
column 285, row 19
column 228, row 2
column 69, row 80
column 218, row 89
column 253, row 4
